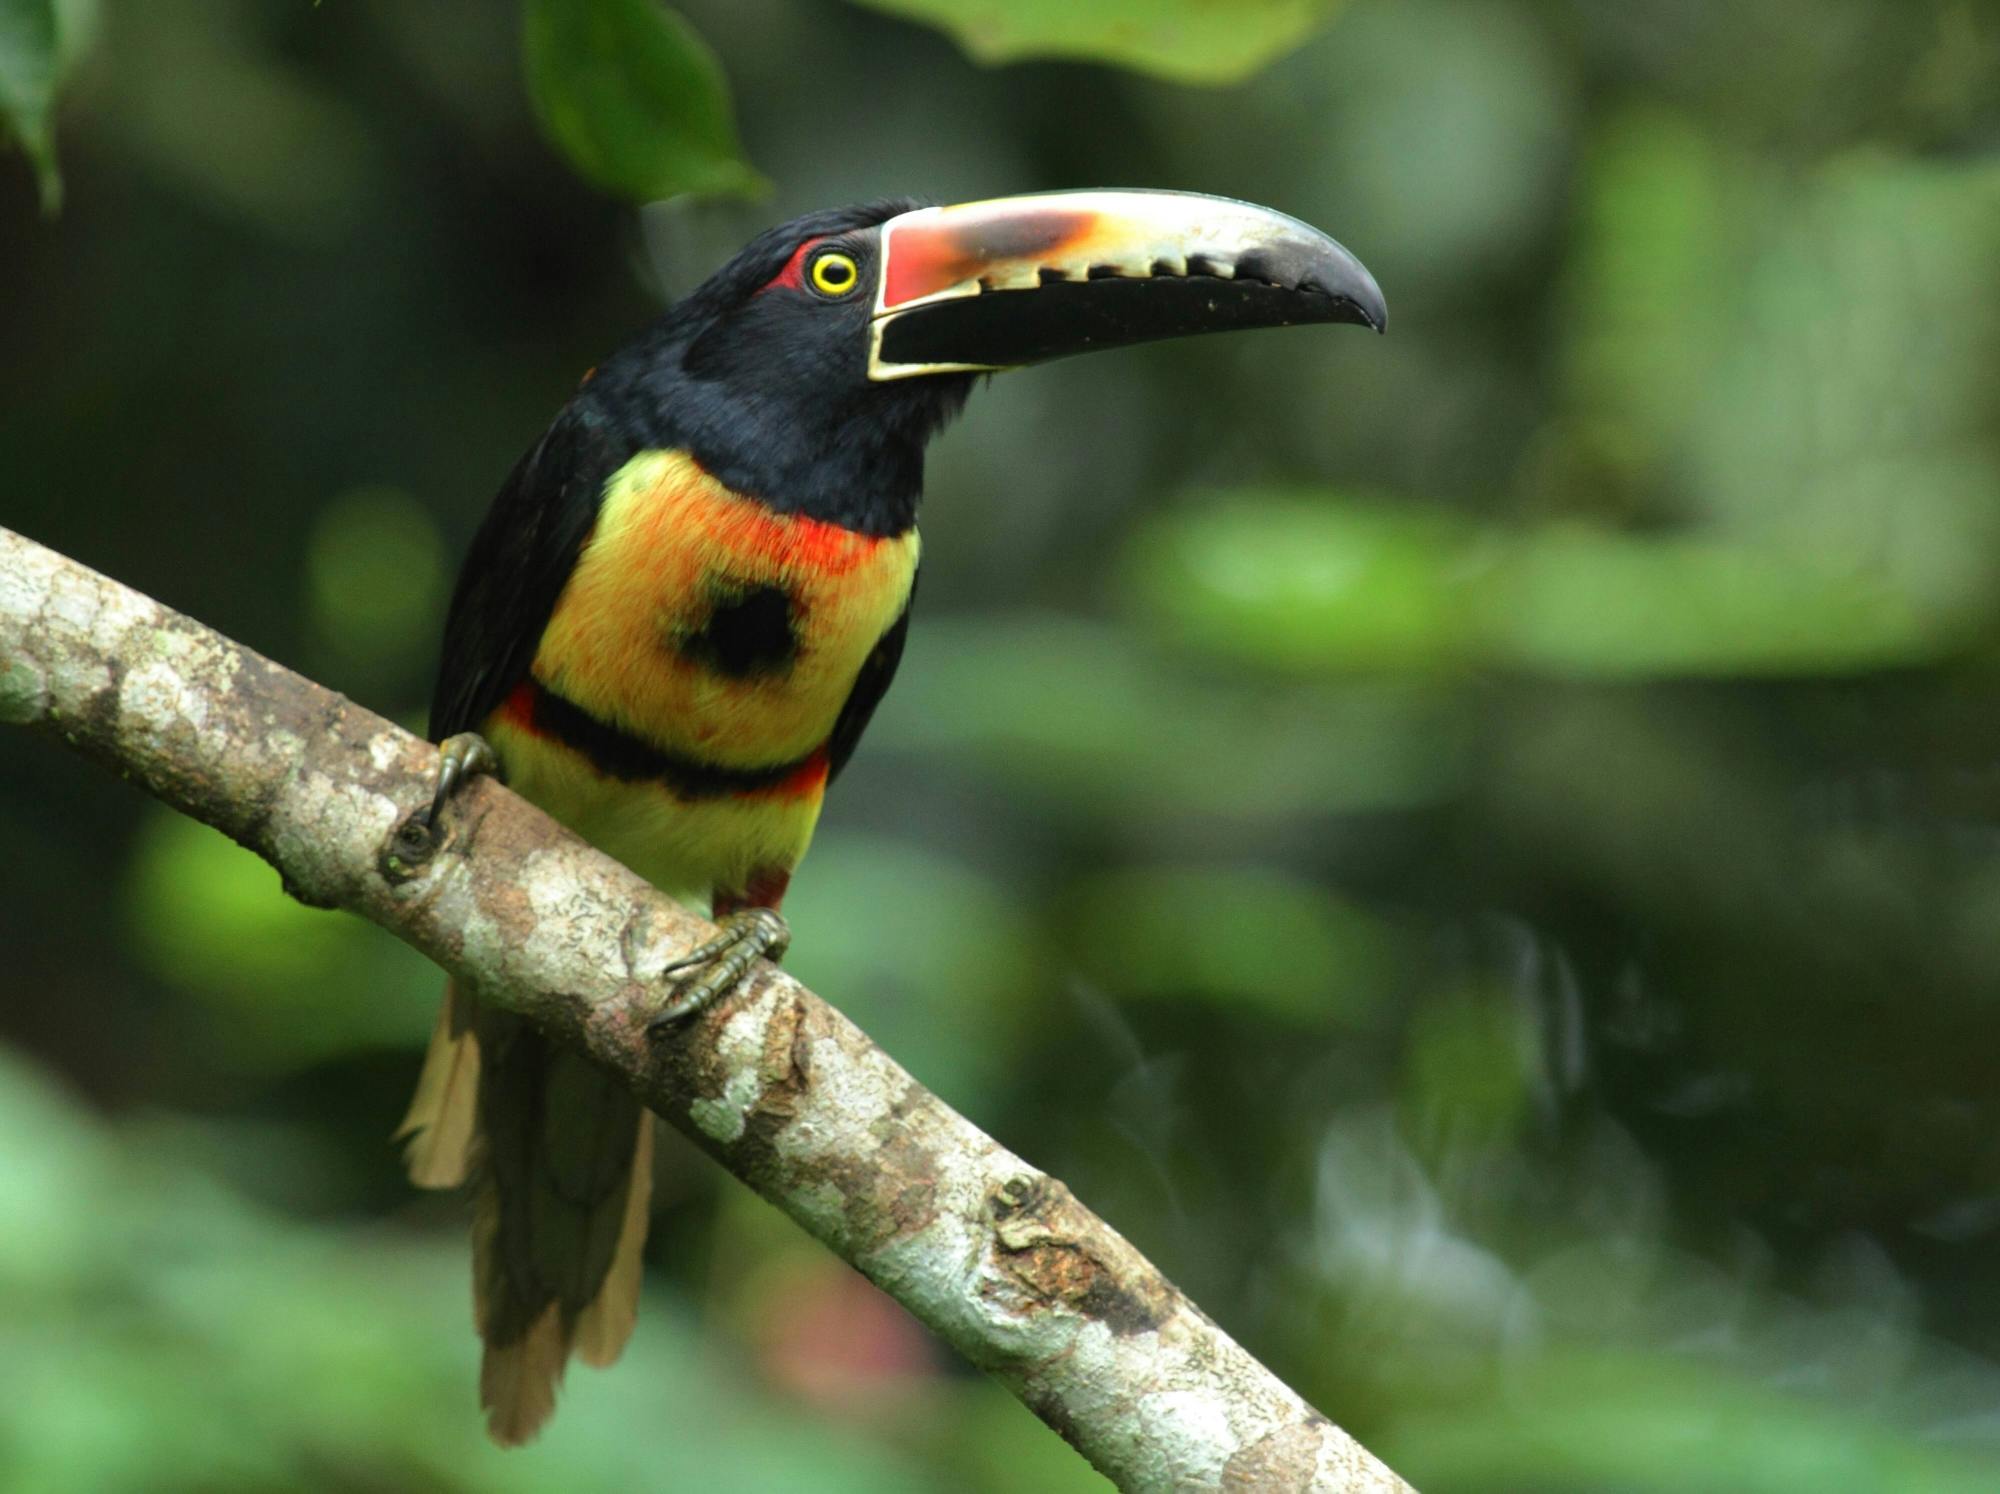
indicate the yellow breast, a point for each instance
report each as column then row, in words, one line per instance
column 714, row 627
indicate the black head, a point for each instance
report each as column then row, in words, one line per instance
column 762, row 374
column 812, row 369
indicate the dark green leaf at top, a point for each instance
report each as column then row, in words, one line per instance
column 634, row 98
column 1188, row 41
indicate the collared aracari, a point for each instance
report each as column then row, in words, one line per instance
column 687, row 601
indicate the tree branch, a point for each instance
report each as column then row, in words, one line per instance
column 781, row 1089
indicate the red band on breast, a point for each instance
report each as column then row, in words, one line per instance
column 792, row 541
column 745, row 526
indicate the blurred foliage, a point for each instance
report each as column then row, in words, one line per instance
column 376, row 575
column 331, row 1356
column 1250, row 939
column 1047, row 705
column 277, row 985
column 893, row 924
column 1289, row 581
column 1478, row 849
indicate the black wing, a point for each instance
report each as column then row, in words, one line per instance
column 869, row 687
column 519, row 562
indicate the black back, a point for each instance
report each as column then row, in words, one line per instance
column 519, row 562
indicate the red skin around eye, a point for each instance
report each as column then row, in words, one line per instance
column 793, row 276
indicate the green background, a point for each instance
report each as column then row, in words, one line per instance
column 1479, row 850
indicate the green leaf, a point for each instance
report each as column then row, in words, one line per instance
column 634, row 98
column 1187, row 41
column 29, row 64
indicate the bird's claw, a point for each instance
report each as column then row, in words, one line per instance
column 460, row 757
column 712, row 970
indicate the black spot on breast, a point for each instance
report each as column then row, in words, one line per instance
column 749, row 632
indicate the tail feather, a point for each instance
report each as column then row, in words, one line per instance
column 605, row 1325
column 443, row 1115
column 565, row 1175
column 562, row 1158
column 517, row 1381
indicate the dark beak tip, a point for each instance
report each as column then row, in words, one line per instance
column 1372, row 313
column 1350, row 285
column 1371, row 304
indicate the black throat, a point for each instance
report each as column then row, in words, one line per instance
column 795, row 424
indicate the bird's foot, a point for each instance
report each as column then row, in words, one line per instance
column 711, row 971
column 460, row 758
column 418, row 835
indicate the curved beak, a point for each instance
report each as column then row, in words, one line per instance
column 1018, row 280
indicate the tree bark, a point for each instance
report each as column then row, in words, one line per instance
column 996, row 1257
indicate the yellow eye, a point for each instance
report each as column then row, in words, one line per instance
column 834, row 274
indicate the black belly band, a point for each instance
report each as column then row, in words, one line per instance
column 616, row 753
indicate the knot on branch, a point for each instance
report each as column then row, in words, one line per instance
column 409, row 848
column 1287, row 1457
column 1043, row 1239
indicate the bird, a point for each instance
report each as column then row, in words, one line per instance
column 686, row 602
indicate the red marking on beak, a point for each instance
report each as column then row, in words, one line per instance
column 925, row 258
